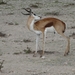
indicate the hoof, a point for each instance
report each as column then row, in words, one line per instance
column 43, row 57
column 66, row 54
column 35, row 55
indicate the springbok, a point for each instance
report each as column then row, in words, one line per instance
column 38, row 26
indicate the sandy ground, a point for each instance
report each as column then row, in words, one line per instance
column 18, row 38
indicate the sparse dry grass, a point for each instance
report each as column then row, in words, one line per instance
column 69, row 4
column 28, row 50
column 17, row 50
column 1, row 65
column 26, row 40
column 54, row 13
column 2, row 34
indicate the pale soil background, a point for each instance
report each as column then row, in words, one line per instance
column 18, row 38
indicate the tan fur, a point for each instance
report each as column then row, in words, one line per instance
column 57, row 24
column 29, row 21
column 48, row 22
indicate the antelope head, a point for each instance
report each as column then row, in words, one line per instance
column 30, row 12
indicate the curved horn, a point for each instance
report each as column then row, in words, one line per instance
column 25, row 14
column 27, row 9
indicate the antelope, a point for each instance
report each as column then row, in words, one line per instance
column 38, row 25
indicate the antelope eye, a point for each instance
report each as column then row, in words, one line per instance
column 35, row 14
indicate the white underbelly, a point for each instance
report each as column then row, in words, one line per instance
column 50, row 29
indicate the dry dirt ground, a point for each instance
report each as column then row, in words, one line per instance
column 15, row 38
